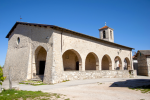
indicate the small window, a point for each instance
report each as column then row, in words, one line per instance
column 111, row 34
column 104, row 35
column 18, row 40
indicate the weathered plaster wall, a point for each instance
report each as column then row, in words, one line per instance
column 21, row 57
column 83, row 46
column 142, row 64
column 23, row 61
column 17, row 54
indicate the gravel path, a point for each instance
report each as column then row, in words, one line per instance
column 93, row 89
column 100, row 91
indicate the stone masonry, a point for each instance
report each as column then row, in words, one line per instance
column 67, row 54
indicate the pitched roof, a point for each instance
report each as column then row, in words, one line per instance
column 145, row 52
column 64, row 29
column 105, row 27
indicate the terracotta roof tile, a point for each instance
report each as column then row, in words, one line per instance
column 104, row 27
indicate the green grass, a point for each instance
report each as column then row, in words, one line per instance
column 15, row 94
column 99, row 83
column 143, row 89
column 67, row 99
column 65, row 80
column 34, row 83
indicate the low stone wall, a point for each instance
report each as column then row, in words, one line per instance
column 132, row 73
column 79, row 75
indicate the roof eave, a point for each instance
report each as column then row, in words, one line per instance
column 52, row 26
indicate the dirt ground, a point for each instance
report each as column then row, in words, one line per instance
column 92, row 89
column 101, row 91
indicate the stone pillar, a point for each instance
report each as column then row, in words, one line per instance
column 100, row 65
column 82, row 65
column 29, row 73
column 97, row 66
column 48, row 67
column 110, row 66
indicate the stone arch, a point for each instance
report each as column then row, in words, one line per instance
column 118, row 63
column 91, row 61
column 106, row 62
column 40, row 60
column 71, row 60
column 127, row 64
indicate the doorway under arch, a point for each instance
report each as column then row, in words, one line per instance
column 118, row 63
column 106, row 63
column 40, row 59
column 91, row 62
column 71, row 60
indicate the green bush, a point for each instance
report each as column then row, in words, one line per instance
column 2, row 78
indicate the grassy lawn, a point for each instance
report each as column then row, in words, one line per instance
column 30, row 95
column 34, row 83
column 143, row 89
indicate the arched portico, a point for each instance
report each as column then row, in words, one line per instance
column 71, row 60
column 106, row 63
column 118, row 63
column 127, row 64
column 40, row 60
column 91, row 62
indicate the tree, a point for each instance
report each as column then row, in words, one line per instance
column 2, row 78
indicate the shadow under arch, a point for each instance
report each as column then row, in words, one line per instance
column 40, row 60
column 118, row 63
column 71, row 60
column 127, row 64
column 91, row 61
column 106, row 62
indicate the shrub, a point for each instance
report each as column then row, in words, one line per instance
column 2, row 78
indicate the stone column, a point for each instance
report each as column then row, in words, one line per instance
column 48, row 67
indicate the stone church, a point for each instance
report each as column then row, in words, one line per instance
column 55, row 54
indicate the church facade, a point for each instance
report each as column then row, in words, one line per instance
column 56, row 54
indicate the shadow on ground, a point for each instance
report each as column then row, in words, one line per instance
column 133, row 83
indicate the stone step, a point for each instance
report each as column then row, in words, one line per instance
column 34, row 79
column 38, row 77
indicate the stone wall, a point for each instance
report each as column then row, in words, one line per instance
column 142, row 64
column 21, row 58
column 80, row 75
column 23, row 61
column 132, row 73
column 148, row 65
column 82, row 46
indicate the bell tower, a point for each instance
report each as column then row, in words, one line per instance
column 106, row 33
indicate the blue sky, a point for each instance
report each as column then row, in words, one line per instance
column 130, row 19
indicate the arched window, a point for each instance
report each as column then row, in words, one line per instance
column 111, row 34
column 18, row 40
column 104, row 35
